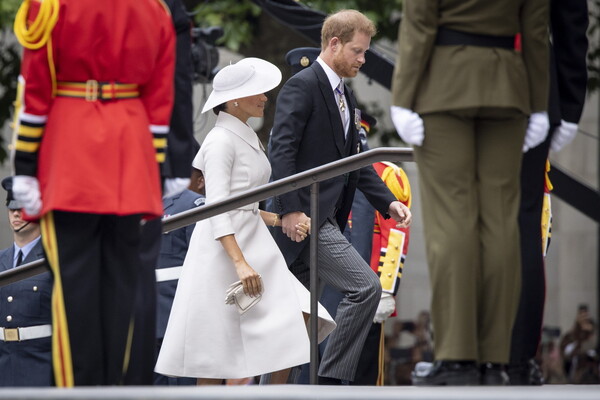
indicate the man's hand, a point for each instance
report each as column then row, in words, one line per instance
column 537, row 130
column 564, row 135
column 387, row 305
column 291, row 225
column 26, row 190
column 408, row 124
column 400, row 213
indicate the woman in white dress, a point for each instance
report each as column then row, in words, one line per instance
column 206, row 338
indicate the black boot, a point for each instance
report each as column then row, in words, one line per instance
column 324, row 380
column 526, row 373
column 493, row 374
column 447, row 373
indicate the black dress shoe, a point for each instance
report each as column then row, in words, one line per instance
column 526, row 373
column 447, row 373
column 493, row 374
column 325, row 380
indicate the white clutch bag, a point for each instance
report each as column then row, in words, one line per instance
column 235, row 295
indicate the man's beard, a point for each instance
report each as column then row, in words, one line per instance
column 342, row 68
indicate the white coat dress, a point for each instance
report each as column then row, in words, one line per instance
column 205, row 338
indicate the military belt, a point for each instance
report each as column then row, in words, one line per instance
column 25, row 333
column 451, row 37
column 93, row 90
column 168, row 274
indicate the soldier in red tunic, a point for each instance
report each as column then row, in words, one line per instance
column 92, row 115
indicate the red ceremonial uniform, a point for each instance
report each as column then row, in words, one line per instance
column 93, row 109
column 98, row 156
column 390, row 244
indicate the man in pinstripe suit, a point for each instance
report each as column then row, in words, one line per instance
column 317, row 122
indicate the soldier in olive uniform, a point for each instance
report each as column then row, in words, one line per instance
column 471, row 103
column 25, row 317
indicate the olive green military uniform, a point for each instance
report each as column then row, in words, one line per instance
column 474, row 101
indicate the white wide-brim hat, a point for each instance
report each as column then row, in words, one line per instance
column 248, row 77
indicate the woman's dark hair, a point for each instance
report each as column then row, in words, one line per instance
column 219, row 108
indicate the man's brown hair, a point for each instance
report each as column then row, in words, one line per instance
column 343, row 24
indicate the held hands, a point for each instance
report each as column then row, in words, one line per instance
column 564, row 135
column 400, row 213
column 387, row 305
column 250, row 278
column 296, row 225
column 26, row 190
column 537, row 130
column 409, row 125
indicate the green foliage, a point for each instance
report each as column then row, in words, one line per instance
column 385, row 14
column 9, row 66
column 8, row 9
column 236, row 17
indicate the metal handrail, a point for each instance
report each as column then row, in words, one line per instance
column 310, row 177
column 297, row 181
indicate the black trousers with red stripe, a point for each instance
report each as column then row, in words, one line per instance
column 98, row 257
column 527, row 328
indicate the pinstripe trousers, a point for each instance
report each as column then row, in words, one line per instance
column 341, row 267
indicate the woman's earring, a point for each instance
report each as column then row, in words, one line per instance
column 235, row 104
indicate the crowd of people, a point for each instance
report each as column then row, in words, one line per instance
column 569, row 358
column 104, row 111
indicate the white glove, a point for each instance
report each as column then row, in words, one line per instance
column 175, row 186
column 564, row 135
column 26, row 190
column 409, row 125
column 537, row 130
column 387, row 305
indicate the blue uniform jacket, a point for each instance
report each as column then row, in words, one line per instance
column 173, row 248
column 25, row 303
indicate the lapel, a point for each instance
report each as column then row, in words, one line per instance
column 352, row 141
column 240, row 129
column 6, row 259
column 36, row 253
column 335, row 120
column 168, row 203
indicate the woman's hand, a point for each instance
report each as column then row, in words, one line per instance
column 302, row 230
column 250, row 278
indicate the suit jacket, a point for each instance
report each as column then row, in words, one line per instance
column 173, row 248
column 27, row 302
column 568, row 67
column 308, row 132
column 430, row 78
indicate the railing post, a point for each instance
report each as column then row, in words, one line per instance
column 314, row 282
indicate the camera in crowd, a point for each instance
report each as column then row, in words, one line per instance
column 205, row 56
column 552, row 332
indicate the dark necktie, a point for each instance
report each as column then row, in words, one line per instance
column 20, row 258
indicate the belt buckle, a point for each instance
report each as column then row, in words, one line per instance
column 91, row 90
column 11, row 335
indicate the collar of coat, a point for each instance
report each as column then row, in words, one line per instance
column 238, row 128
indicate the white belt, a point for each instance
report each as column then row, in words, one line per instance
column 249, row 207
column 168, row 274
column 26, row 333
